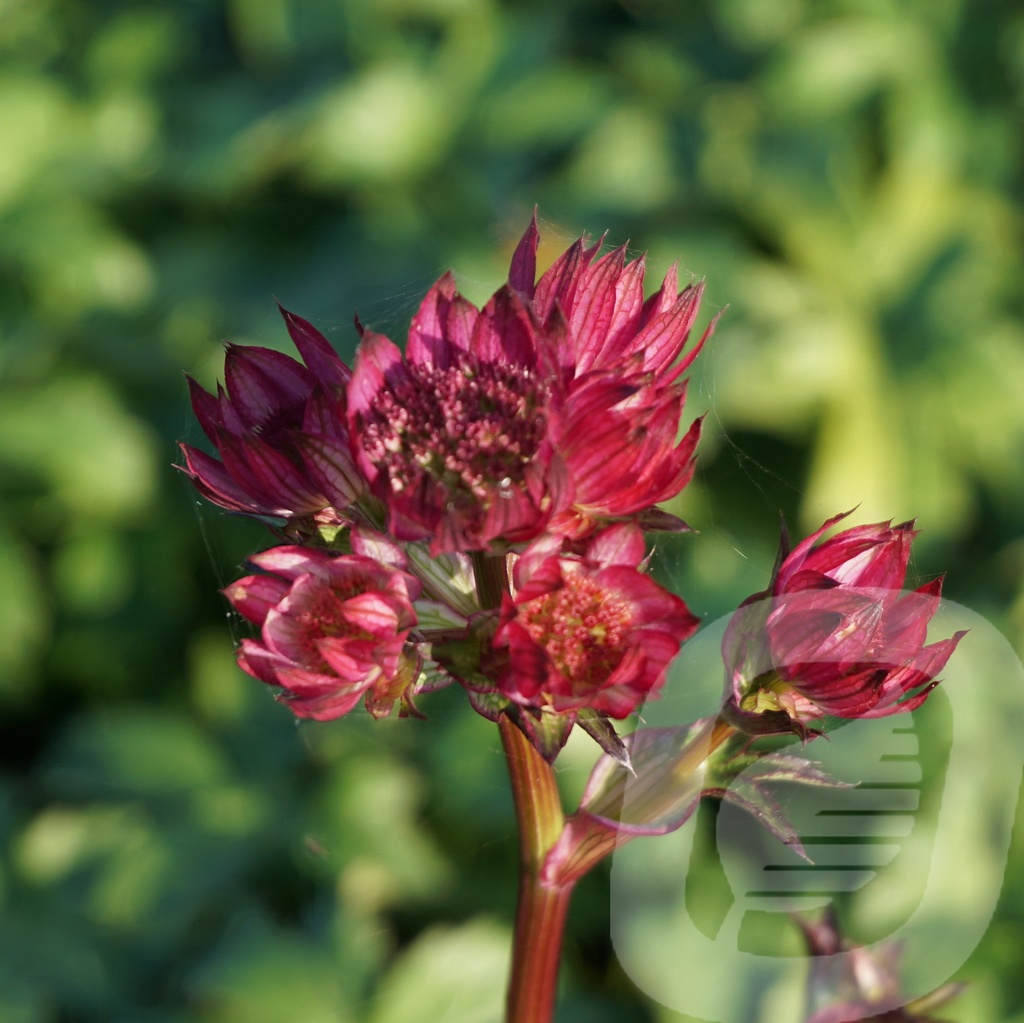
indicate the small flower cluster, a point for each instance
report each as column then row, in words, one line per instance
column 471, row 510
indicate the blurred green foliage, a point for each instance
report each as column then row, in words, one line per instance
column 846, row 175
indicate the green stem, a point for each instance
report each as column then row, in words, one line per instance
column 491, row 575
column 542, row 908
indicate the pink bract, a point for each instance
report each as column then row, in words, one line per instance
column 332, row 628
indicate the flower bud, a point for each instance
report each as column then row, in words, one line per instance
column 835, row 634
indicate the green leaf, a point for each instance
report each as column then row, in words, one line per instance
column 448, row 975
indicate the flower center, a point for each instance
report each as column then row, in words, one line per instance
column 472, row 427
column 582, row 628
column 325, row 618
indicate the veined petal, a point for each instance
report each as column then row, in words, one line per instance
column 272, row 472
column 293, row 561
column 662, row 338
column 619, row 544
column 261, row 381
column 504, row 331
column 523, row 271
column 316, row 351
column 374, row 613
column 378, row 360
column 332, row 468
column 428, row 341
column 216, row 484
column 593, row 307
column 560, row 280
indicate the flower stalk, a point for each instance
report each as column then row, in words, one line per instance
column 542, row 907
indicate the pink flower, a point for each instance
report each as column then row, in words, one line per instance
column 556, row 407
column 836, row 634
column 455, row 437
column 589, row 632
column 279, row 429
column 332, row 628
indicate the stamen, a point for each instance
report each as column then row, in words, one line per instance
column 473, row 427
column 582, row 627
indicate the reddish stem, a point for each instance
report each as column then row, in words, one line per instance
column 542, row 908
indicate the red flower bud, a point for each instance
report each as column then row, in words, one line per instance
column 835, row 633
column 279, row 428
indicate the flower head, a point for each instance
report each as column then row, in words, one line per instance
column 278, row 426
column 332, row 628
column 588, row 632
column 556, row 407
column 835, row 633
column 454, row 438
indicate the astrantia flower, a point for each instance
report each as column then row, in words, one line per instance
column 557, row 407
column 332, row 628
column 835, row 634
column 589, row 632
column 455, row 437
column 279, row 428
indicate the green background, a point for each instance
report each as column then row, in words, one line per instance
column 844, row 174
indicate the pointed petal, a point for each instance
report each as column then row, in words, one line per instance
column 207, row 409
column 522, row 273
column 594, row 304
column 428, row 343
column 269, row 472
column 378, row 361
column 316, row 351
column 504, row 332
column 261, row 381
column 662, row 339
column 560, row 280
column 216, row 484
